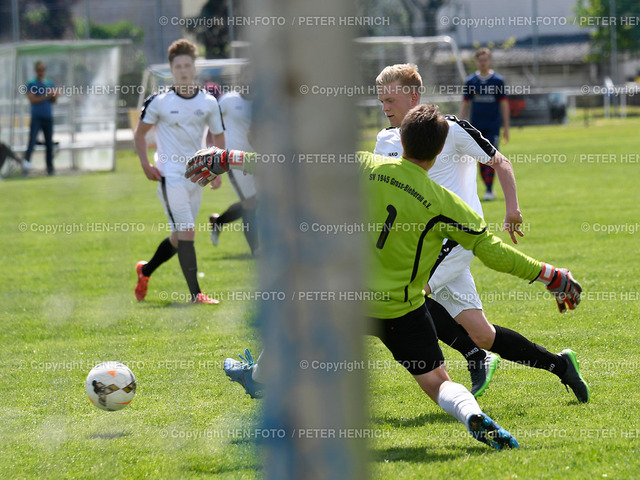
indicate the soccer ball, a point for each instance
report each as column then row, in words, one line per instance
column 111, row 386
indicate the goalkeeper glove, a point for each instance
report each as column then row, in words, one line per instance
column 206, row 165
column 562, row 285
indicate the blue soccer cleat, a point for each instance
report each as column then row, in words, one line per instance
column 485, row 430
column 241, row 372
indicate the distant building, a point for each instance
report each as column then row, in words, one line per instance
column 484, row 21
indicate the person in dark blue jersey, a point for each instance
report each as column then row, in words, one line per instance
column 485, row 94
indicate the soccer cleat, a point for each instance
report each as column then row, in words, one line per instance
column 215, row 230
column 572, row 377
column 482, row 373
column 143, row 282
column 488, row 196
column 485, row 430
column 203, row 298
column 241, row 372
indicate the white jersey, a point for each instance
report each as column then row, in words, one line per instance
column 455, row 168
column 236, row 111
column 179, row 125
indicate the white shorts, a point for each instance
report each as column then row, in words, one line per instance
column 452, row 283
column 181, row 201
column 243, row 184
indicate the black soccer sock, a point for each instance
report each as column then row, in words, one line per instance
column 513, row 346
column 163, row 253
column 451, row 333
column 250, row 228
column 233, row 213
column 187, row 258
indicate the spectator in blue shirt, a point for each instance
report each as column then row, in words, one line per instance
column 42, row 93
column 485, row 94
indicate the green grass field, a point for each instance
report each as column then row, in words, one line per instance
column 69, row 245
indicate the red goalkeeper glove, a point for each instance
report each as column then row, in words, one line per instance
column 561, row 283
column 206, row 165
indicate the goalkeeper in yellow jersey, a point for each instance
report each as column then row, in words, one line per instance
column 416, row 215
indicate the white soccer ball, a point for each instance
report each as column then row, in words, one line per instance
column 111, row 386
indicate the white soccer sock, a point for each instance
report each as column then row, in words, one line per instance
column 458, row 402
column 255, row 373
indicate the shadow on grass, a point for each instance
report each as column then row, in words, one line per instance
column 109, row 435
column 418, row 421
column 162, row 304
column 238, row 256
column 424, row 454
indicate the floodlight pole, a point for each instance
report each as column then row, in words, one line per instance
column 230, row 13
column 536, row 63
column 15, row 20
column 614, row 43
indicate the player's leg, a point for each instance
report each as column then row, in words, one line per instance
column 413, row 342
column 451, row 296
column 481, row 365
column 217, row 221
column 250, row 227
column 165, row 250
column 513, row 346
column 34, row 128
column 509, row 344
column 247, row 373
column 245, row 187
column 185, row 198
column 47, row 130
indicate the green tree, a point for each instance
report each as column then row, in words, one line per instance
column 215, row 37
column 597, row 14
column 46, row 19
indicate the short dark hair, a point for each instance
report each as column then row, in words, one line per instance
column 423, row 132
column 181, row 47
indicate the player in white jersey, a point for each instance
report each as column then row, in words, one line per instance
column 180, row 116
column 236, row 111
column 451, row 283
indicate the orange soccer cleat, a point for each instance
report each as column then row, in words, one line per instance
column 203, row 298
column 143, row 282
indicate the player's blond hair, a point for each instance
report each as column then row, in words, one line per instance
column 406, row 73
column 181, row 47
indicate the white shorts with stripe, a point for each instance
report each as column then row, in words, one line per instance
column 181, row 201
column 454, row 286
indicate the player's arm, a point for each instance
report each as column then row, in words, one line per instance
column 513, row 217
column 35, row 99
column 216, row 140
column 140, row 142
column 210, row 142
column 506, row 116
column 467, row 228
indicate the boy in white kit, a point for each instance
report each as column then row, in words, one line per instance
column 451, row 283
column 179, row 116
column 235, row 107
